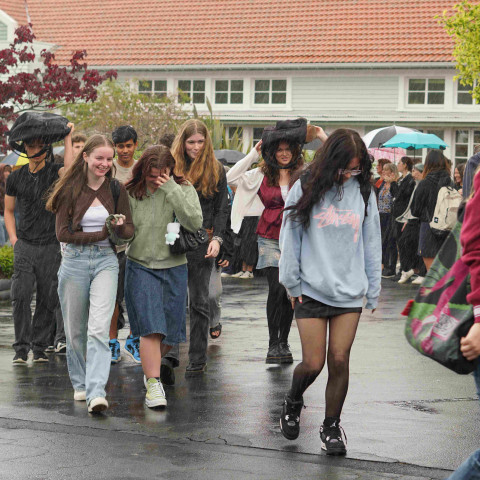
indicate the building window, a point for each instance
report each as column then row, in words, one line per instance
column 257, row 134
column 158, row 88
column 234, row 134
column 270, row 92
column 194, row 89
column 3, row 32
column 464, row 97
column 424, row 91
column 465, row 142
column 229, row 91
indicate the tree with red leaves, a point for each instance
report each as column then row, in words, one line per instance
column 46, row 87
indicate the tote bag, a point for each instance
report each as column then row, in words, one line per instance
column 440, row 314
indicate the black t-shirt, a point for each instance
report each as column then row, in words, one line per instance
column 36, row 225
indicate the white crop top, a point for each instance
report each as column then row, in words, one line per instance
column 94, row 220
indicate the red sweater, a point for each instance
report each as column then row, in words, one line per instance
column 470, row 239
column 271, row 220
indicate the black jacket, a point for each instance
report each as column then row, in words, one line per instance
column 215, row 209
column 402, row 191
column 425, row 198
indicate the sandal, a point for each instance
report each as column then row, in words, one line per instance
column 215, row 332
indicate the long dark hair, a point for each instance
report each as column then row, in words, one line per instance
column 435, row 161
column 341, row 147
column 156, row 156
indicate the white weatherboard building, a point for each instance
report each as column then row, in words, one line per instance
column 361, row 64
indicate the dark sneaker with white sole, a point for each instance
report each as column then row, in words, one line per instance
column 20, row 358
column 332, row 439
column 290, row 419
column 39, row 357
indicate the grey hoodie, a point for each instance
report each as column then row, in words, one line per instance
column 337, row 259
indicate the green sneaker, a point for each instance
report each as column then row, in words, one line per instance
column 155, row 396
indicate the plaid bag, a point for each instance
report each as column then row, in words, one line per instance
column 440, row 314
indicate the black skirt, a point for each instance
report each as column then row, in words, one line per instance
column 311, row 308
column 429, row 244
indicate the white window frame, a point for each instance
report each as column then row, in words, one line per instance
column 426, row 104
column 471, row 144
column 229, row 91
column 191, row 92
column 153, row 92
column 470, row 106
column 270, row 105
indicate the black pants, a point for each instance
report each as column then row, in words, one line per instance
column 36, row 264
column 389, row 246
column 279, row 309
column 408, row 246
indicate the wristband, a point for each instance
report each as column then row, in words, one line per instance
column 218, row 239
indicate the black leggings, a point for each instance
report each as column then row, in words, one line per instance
column 279, row 309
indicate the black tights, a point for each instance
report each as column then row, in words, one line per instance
column 279, row 309
column 313, row 335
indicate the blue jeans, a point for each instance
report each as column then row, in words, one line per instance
column 87, row 287
column 470, row 468
column 3, row 232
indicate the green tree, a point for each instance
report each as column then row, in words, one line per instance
column 118, row 104
column 464, row 26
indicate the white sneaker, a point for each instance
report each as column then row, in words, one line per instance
column 418, row 281
column 405, row 276
column 238, row 274
column 98, row 404
column 80, row 395
column 225, row 275
column 155, row 396
column 247, row 275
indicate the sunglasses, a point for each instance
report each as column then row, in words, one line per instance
column 353, row 173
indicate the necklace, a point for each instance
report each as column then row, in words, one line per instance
column 33, row 174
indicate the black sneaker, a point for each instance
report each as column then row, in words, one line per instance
column 290, row 419
column 332, row 439
column 194, row 369
column 285, row 353
column 20, row 358
column 39, row 357
column 388, row 273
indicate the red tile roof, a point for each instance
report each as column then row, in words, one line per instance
column 206, row 32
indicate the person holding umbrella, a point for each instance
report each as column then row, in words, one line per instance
column 36, row 248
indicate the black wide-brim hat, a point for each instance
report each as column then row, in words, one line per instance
column 29, row 126
column 294, row 132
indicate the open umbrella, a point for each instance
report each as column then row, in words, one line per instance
column 228, row 156
column 416, row 140
column 376, row 138
column 15, row 159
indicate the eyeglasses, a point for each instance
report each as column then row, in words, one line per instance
column 353, row 173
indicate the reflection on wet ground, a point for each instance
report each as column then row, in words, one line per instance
column 395, row 393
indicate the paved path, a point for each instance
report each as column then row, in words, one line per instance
column 405, row 416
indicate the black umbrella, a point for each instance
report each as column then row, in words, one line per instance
column 376, row 138
column 228, row 157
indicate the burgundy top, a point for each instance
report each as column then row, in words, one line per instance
column 271, row 219
column 470, row 238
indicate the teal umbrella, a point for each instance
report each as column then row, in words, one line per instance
column 415, row 140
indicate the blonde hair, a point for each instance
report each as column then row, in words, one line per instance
column 68, row 188
column 204, row 172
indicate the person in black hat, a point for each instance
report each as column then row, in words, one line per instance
column 263, row 191
column 36, row 248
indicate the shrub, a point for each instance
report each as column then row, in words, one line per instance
column 6, row 261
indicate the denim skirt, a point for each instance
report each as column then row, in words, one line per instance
column 156, row 301
column 268, row 252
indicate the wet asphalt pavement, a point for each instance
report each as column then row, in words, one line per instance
column 405, row 416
